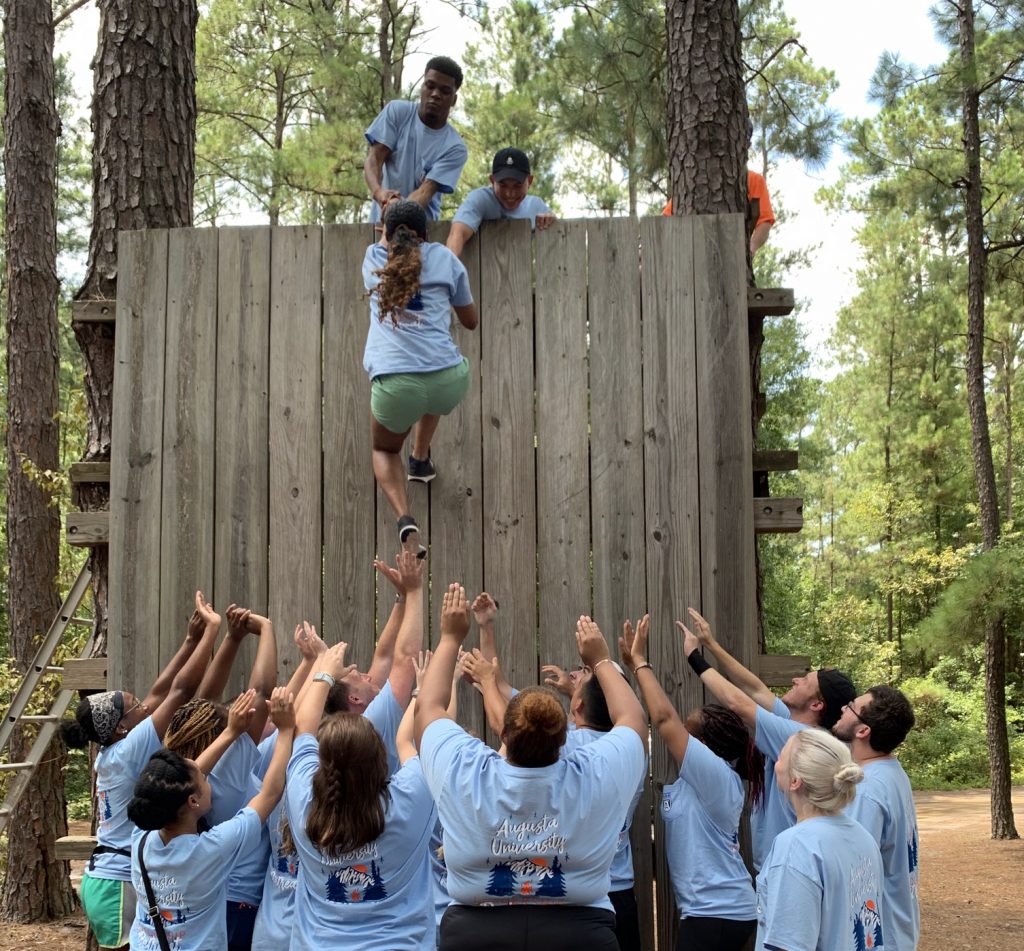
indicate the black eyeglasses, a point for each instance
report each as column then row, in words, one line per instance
column 849, row 706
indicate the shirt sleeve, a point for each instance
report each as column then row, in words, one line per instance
column 384, row 129
column 302, row 767
column 227, row 841
column 461, row 292
column 230, row 779
column 868, row 812
column 445, row 748
column 792, row 919
column 134, row 751
column 711, row 778
column 266, row 753
column 772, row 732
column 623, row 756
column 757, row 188
column 473, row 210
column 446, row 170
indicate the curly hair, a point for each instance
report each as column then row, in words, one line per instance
column 725, row 734
column 447, row 66
column 194, row 726
column 890, row 716
column 350, row 788
column 405, row 225
column 535, row 727
column 161, row 790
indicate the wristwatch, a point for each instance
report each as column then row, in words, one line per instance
column 325, row 677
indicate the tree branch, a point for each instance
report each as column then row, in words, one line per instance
column 67, row 11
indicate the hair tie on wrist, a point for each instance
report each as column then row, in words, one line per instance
column 603, row 660
column 697, row 662
column 640, row 667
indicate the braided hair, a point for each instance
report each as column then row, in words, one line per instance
column 161, row 790
column 351, row 786
column 405, row 226
column 725, row 734
column 194, row 726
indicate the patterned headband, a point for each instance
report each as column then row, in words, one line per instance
column 107, row 709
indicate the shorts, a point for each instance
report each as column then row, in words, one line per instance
column 398, row 400
column 241, row 918
column 110, row 907
column 514, row 927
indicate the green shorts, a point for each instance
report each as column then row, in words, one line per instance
column 110, row 907
column 398, row 400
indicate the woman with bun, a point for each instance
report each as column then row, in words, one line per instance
column 529, row 840
column 188, row 872
column 128, row 731
column 821, row 885
column 416, row 370
column 702, row 809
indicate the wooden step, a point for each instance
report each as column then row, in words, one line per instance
column 74, row 847
column 86, row 472
column 770, row 301
column 86, row 529
column 87, row 674
column 93, row 311
column 779, row 514
column 776, row 460
column 778, row 670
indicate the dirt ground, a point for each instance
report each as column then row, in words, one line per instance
column 972, row 889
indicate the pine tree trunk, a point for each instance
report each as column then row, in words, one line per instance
column 37, row 886
column 707, row 107
column 143, row 166
column 981, row 444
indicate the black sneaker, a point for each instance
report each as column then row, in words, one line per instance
column 409, row 536
column 421, row 470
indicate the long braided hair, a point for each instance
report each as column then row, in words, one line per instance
column 350, row 788
column 724, row 733
column 405, row 226
column 194, row 726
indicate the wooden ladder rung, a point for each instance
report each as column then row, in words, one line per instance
column 778, row 514
column 39, row 718
column 93, row 311
column 15, row 767
column 85, row 529
column 770, row 301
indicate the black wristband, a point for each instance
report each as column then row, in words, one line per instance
column 697, row 662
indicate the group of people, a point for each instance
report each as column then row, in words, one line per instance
column 351, row 809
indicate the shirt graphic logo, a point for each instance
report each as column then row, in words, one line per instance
column 867, row 928
column 356, row 883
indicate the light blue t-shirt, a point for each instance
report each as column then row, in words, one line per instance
column 517, row 835
column 439, row 873
column 481, row 204
column 821, row 889
column 187, row 875
column 884, row 806
column 245, row 880
column 379, row 897
column 701, row 811
column 385, row 714
column 231, row 779
column 118, row 766
column 621, row 872
column 775, row 813
column 418, row 153
column 273, row 928
column 422, row 341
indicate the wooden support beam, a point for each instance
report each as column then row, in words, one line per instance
column 776, row 460
column 778, row 670
column 89, row 472
column 770, row 301
column 93, row 311
column 86, row 529
column 760, row 405
column 89, row 673
column 778, row 515
column 72, row 848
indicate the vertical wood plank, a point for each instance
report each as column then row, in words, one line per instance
column 506, row 373
column 242, row 462
column 456, row 495
column 616, row 423
column 723, row 397
column 563, row 482
column 295, row 566
column 136, row 464
column 671, row 499
column 186, row 541
column 349, row 487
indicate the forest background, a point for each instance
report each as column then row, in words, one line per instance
column 889, row 579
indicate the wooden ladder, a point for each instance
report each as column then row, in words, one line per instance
column 47, row 722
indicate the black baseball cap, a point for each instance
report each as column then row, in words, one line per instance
column 836, row 690
column 510, row 163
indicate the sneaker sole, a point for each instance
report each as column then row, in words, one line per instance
column 417, row 478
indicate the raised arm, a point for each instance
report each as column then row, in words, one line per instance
column 459, row 234
column 750, row 684
column 468, row 315
column 282, row 712
column 186, row 681
column 487, row 674
column 310, row 646
column 329, row 668
column 264, row 669
column 384, row 654
column 485, row 611
column 423, row 195
column 410, row 633
column 727, row 694
column 162, row 685
column 373, row 169
column 241, row 712
column 623, row 706
column 216, row 677
column 432, row 703
column 633, row 648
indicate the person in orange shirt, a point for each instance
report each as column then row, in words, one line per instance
column 761, row 212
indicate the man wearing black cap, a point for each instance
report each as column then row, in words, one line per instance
column 816, row 699
column 506, row 198
column 874, row 724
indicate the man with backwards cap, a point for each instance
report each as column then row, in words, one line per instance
column 505, row 198
column 816, row 699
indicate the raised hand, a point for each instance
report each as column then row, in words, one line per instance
column 633, row 644
column 241, row 713
column 332, row 661
column 309, row 643
column 485, row 609
column 590, row 642
column 455, row 612
column 479, row 667
column 205, row 610
column 691, row 642
column 411, row 569
column 702, row 628
column 392, row 574
column 282, row 709
column 419, row 664
column 558, row 678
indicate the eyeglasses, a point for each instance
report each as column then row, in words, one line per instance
column 133, row 708
column 849, row 706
